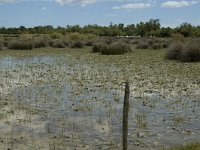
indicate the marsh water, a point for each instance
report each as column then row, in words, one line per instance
column 75, row 101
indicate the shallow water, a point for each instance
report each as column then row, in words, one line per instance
column 75, row 101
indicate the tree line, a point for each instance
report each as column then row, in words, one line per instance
column 144, row 29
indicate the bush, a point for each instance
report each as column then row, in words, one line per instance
column 1, row 45
column 135, row 41
column 97, row 47
column 20, row 45
column 116, row 48
column 42, row 42
column 58, row 43
column 178, row 37
column 165, row 44
column 89, row 43
column 191, row 52
column 77, row 44
column 174, row 51
column 79, row 36
column 56, row 35
column 156, row 46
column 143, row 45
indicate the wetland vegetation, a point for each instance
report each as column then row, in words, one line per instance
column 65, row 91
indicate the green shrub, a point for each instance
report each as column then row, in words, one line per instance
column 79, row 36
column 56, row 35
column 191, row 52
column 77, row 44
column 174, row 52
column 178, row 37
column 116, row 48
column 20, row 45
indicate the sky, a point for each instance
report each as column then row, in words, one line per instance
column 30, row 13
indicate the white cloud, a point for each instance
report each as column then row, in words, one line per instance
column 132, row 6
column 76, row 2
column 178, row 4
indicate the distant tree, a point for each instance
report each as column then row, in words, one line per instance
column 140, row 29
column 186, row 29
column 130, row 30
column 165, row 32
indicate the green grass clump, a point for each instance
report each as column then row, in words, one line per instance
column 117, row 48
column 189, row 52
column 20, row 45
column 77, row 44
column 192, row 146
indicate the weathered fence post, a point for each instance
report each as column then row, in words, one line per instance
column 125, row 115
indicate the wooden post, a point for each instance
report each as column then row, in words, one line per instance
column 125, row 115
